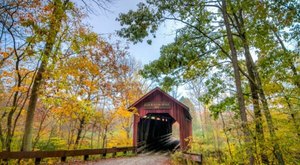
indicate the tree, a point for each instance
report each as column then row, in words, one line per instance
column 59, row 13
column 234, row 61
column 196, row 43
column 15, row 56
column 130, row 88
column 56, row 17
column 212, row 30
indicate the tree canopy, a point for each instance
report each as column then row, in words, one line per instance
column 225, row 43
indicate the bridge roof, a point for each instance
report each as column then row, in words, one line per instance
column 186, row 109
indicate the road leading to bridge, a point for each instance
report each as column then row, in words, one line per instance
column 141, row 159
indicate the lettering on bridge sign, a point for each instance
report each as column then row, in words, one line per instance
column 157, row 105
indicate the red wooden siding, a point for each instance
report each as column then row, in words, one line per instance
column 177, row 110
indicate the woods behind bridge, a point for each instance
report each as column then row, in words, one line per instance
column 63, row 86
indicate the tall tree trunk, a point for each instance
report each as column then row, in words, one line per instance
column 240, row 96
column 79, row 132
column 104, row 137
column 239, row 21
column 54, row 28
column 83, row 136
column 257, row 85
column 255, row 98
column 20, row 111
column 254, row 93
column 27, row 139
column 2, row 140
column 268, row 116
column 10, row 133
column 14, row 106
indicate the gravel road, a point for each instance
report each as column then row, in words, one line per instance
column 141, row 159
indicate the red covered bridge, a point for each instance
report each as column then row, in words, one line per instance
column 157, row 112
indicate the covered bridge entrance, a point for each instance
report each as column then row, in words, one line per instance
column 157, row 112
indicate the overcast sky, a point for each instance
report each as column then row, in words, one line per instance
column 105, row 23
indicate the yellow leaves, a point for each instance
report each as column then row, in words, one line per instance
column 123, row 112
column 72, row 109
column 12, row 74
column 272, row 88
column 6, row 74
column 88, row 83
column 80, row 66
column 119, row 138
column 20, row 89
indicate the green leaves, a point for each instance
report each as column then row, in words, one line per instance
column 138, row 23
column 227, row 104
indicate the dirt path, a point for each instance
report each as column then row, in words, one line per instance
column 141, row 159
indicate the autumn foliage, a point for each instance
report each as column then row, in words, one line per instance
column 67, row 85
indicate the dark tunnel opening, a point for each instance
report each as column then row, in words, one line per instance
column 155, row 133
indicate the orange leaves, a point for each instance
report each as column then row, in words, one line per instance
column 6, row 74
column 30, row 17
column 20, row 89
column 107, row 50
column 82, row 77
column 4, row 54
column 47, row 8
column 88, row 83
column 125, row 68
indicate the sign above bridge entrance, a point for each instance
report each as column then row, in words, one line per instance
column 157, row 105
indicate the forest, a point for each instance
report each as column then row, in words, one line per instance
column 64, row 86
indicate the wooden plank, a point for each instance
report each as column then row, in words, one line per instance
column 193, row 156
column 61, row 153
column 37, row 161
column 85, row 157
column 63, row 159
